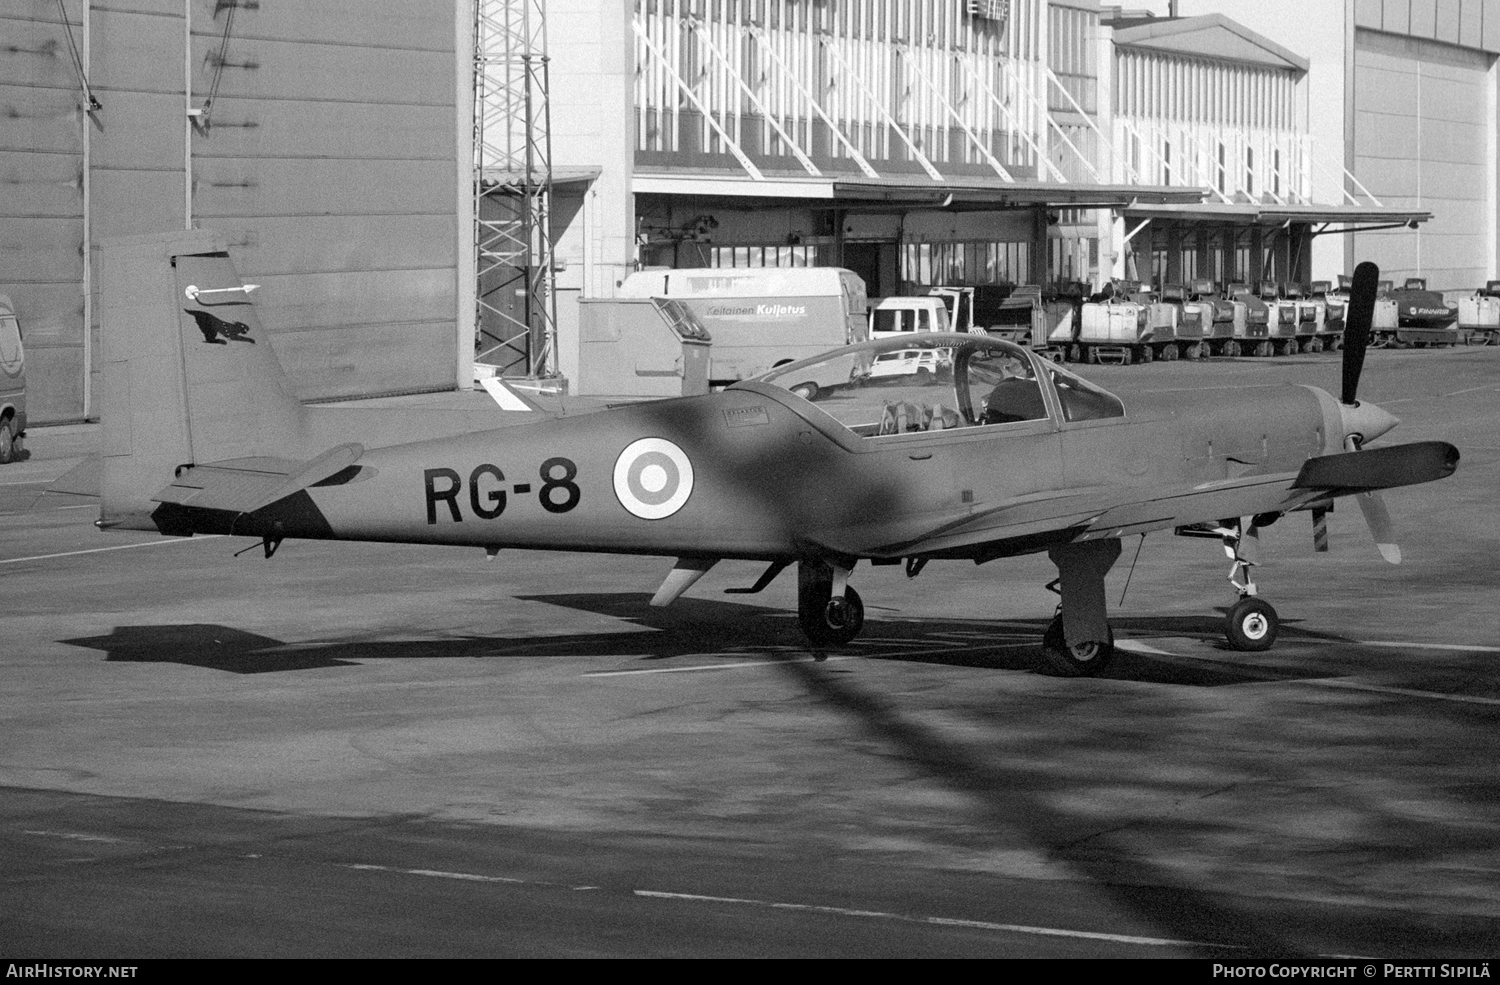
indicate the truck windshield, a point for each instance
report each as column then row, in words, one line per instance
column 894, row 320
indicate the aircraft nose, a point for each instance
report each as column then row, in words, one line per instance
column 1366, row 421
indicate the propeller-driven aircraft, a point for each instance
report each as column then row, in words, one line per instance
column 900, row 451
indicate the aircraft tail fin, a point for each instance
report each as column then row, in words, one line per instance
column 189, row 374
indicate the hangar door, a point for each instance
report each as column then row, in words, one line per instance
column 1421, row 140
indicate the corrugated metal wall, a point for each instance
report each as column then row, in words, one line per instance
column 1423, row 128
column 41, row 200
column 328, row 161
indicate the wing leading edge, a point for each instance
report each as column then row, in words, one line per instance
column 1029, row 523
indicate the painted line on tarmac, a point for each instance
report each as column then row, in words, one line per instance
column 117, row 547
column 1472, row 389
column 79, row 836
column 1432, row 646
column 1138, row 647
column 435, row 874
column 688, row 670
column 457, row 876
column 803, row 907
column 1013, row 928
column 1404, row 691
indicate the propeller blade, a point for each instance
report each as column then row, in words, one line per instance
column 1320, row 529
column 1357, row 320
column 1379, row 520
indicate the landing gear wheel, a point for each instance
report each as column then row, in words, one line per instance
column 1083, row 660
column 1252, row 624
column 835, row 622
column 807, row 391
column 8, row 450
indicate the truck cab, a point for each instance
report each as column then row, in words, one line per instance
column 899, row 317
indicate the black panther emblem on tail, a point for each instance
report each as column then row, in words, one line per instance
column 217, row 331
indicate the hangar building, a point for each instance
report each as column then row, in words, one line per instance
column 943, row 141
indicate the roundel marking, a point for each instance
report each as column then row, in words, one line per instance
column 653, row 478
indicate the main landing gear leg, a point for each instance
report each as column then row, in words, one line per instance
column 830, row 611
column 1079, row 642
column 1252, row 623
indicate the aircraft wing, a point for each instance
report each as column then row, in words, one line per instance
column 1030, row 523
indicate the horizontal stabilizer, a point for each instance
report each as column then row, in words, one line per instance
column 248, row 484
column 83, row 479
column 1380, row 468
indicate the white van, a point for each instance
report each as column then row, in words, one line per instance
column 897, row 316
column 12, row 384
column 762, row 317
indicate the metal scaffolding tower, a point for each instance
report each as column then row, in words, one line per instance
column 516, row 320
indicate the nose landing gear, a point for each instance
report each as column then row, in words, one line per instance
column 1252, row 622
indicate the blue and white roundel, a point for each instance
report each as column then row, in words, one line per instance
column 653, row 478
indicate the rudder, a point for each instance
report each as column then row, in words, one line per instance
column 189, row 373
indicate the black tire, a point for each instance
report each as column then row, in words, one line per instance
column 835, row 622
column 1251, row 625
column 7, row 442
column 1085, row 660
column 1194, row 351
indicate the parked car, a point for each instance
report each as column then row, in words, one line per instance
column 12, row 385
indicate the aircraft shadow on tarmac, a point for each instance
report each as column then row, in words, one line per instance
column 705, row 629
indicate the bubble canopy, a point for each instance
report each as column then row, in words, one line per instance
column 940, row 381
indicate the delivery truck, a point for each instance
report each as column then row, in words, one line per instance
column 762, row 317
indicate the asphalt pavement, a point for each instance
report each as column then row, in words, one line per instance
column 371, row 750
